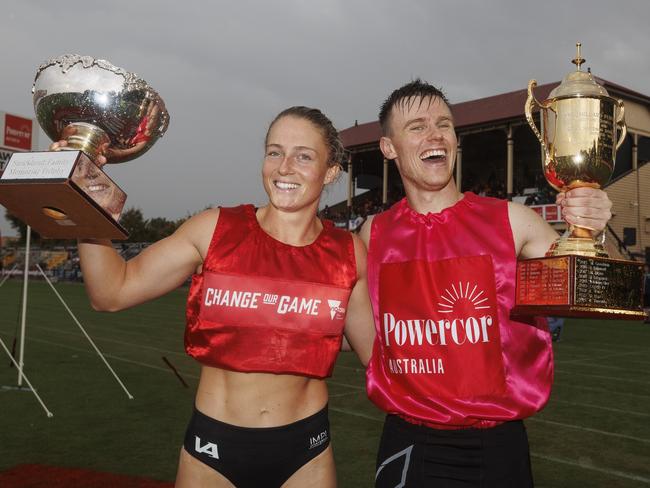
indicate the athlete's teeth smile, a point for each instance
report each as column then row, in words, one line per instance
column 433, row 154
column 286, row 186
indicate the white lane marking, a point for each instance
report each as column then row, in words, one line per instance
column 112, row 356
column 354, row 387
column 602, row 377
column 104, row 339
column 589, row 429
column 356, row 414
column 337, row 395
column 600, row 390
column 577, row 464
column 599, row 407
column 599, row 358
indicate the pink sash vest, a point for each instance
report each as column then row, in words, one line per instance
column 442, row 285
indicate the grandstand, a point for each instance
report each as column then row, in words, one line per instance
column 498, row 155
column 8, row 260
column 59, row 263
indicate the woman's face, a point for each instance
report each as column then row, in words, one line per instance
column 296, row 164
column 99, row 187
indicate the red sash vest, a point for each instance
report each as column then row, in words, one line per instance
column 442, row 286
column 260, row 305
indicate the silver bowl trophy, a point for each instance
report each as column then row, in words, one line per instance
column 100, row 110
column 577, row 278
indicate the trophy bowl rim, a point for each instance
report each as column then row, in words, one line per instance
column 125, row 82
column 577, row 95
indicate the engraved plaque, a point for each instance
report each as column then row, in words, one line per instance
column 579, row 286
column 63, row 195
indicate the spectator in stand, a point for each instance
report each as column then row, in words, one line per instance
column 555, row 325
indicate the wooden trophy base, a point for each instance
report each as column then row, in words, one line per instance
column 63, row 195
column 580, row 286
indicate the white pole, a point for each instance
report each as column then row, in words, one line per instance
column 21, row 353
column 99, row 353
column 48, row 413
column 8, row 275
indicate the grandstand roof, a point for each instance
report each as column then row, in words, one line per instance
column 482, row 111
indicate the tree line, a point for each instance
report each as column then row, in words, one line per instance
column 139, row 228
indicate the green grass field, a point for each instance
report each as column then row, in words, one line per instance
column 595, row 432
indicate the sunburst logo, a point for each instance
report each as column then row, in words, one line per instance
column 453, row 295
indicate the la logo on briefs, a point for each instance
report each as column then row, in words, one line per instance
column 209, row 448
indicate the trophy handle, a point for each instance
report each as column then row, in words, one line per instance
column 620, row 122
column 531, row 102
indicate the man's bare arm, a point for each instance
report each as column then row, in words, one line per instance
column 533, row 236
column 587, row 207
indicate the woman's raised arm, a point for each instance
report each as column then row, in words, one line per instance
column 115, row 284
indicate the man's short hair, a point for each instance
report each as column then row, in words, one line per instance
column 405, row 94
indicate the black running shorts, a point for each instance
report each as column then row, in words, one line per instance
column 415, row 456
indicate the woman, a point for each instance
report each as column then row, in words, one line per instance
column 265, row 312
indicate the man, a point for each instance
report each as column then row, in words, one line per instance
column 454, row 373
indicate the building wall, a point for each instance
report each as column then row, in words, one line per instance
column 631, row 208
column 637, row 117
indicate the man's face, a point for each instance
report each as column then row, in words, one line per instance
column 422, row 141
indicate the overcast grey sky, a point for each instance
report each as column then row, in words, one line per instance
column 225, row 69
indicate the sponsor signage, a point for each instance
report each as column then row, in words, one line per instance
column 17, row 132
column 278, row 303
column 437, row 319
column 550, row 212
column 5, row 155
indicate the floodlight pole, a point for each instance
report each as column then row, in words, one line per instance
column 23, row 315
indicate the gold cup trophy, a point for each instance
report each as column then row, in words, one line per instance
column 579, row 124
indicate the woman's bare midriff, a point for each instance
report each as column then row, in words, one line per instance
column 258, row 399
